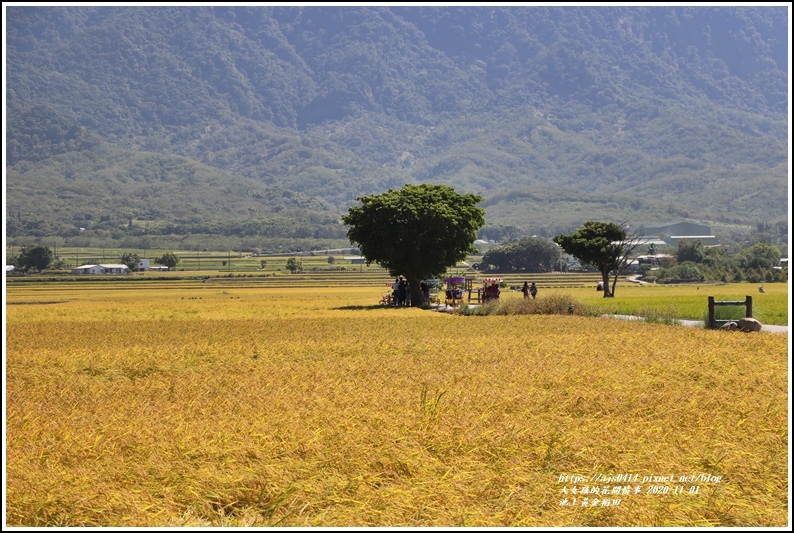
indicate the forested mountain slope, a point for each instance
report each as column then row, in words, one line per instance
column 139, row 122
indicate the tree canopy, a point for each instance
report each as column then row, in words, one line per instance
column 761, row 255
column 689, row 251
column 605, row 245
column 169, row 259
column 34, row 258
column 533, row 254
column 294, row 264
column 418, row 231
column 132, row 260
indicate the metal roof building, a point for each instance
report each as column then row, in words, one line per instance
column 101, row 269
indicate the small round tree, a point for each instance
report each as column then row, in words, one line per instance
column 132, row 260
column 417, row 232
column 169, row 259
column 294, row 264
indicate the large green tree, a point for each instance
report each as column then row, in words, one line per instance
column 605, row 245
column 533, row 254
column 34, row 258
column 417, row 232
column 689, row 251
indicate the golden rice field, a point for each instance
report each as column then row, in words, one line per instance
column 189, row 404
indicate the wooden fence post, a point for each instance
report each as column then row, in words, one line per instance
column 748, row 309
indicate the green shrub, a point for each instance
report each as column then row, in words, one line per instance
column 552, row 304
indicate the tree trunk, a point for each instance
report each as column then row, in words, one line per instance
column 417, row 298
column 614, row 284
column 605, row 282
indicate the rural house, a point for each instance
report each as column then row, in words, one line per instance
column 101, row 269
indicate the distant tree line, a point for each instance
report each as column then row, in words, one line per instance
column 35, row 259
column 757, row 263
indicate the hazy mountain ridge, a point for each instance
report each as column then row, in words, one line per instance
column 134, row 193
column 682, row 107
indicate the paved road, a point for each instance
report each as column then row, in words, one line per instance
column 689, row 323
column 699, row 323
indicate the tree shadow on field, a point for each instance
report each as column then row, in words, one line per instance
column 373, row 307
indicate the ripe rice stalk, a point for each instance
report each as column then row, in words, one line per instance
column 183, row 406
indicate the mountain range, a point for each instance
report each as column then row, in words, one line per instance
column 204, row 125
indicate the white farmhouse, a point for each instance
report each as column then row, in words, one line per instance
column 101, row 269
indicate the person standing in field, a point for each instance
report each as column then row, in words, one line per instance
column 533, row 290
column 525, row 290
column 402, row 290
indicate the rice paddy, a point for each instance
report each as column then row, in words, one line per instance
column 198, row 404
